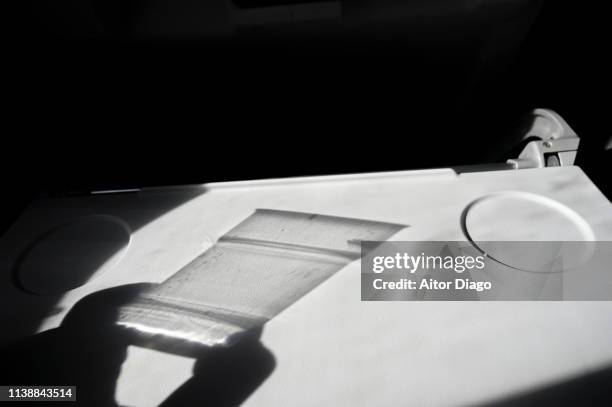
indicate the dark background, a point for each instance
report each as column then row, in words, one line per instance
column 121, row 94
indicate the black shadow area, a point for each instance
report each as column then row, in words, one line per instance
column 592, row 389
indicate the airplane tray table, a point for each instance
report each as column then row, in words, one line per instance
column 329, row 347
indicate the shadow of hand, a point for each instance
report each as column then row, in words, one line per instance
column 88, row 349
